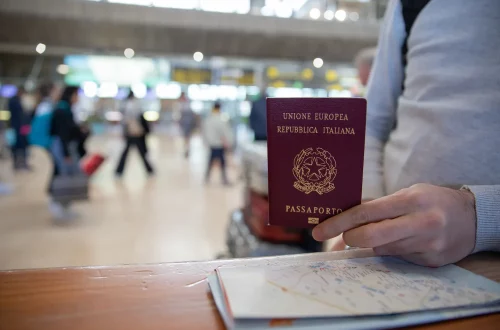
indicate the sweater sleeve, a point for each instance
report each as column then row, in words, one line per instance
column 488, row 217
column 384, row 89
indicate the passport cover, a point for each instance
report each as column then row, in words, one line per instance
column 315, row 152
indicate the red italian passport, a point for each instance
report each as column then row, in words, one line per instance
column 315, row 153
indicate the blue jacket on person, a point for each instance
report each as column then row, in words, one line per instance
column 40, row 126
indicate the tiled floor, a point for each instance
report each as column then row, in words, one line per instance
column 170, row 217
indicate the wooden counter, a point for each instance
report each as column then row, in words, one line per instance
column 164, row 296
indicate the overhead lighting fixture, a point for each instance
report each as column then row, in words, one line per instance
column 267, row 11
column 283, row 10
column 168, row 91
column 298, row 4
column 329, row 15
column 90, row 89
column 107, row 90
column 315, row 13
column 198, row 56
column 340, row 15
column 129, row 53
column 140, row 90
column 354, row 16
column 40, row 48
column 318, row 63
column 63, row 69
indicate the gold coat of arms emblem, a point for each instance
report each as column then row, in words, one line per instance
column 314, row 169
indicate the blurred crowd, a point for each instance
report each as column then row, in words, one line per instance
column 52, row 124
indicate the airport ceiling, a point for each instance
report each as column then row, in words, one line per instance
column 70, row 26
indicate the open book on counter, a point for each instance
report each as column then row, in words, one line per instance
column 364, row 293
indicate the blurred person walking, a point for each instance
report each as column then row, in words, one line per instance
column 187, row 122
column 136, row 128
column 40, row 134
column 84, row 132
column 19, row 122
column 65, row 136
column 258, row 118
column 42, row 117
column 218, row 136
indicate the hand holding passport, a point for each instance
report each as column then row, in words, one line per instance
column 315, row 158
column 315, row 169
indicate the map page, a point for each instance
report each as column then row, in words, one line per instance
column 366, row 286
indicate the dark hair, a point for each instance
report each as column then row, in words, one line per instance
column 217, row 105
column 131, row 95
column 45, row 89
column 20, row 89
column 68, row 93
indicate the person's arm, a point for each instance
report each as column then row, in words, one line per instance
column 384, row 89
column 488, row 217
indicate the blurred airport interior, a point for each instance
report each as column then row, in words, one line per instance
column 177, row 57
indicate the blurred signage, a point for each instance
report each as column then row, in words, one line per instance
column 191, row 75
column 115, row 69
column 299, row 76
column 238, row 77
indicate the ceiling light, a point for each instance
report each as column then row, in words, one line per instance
column 168, row 91
column 89, row 89
column 329, row 15
column 107, row 90
column 140, row 90
column 315, row 13
column 267, row 11
column 129, row 53
column 284, row 11
column 198, row 56
column 354, row 16
column 40, row 48
column 340, row 15
column 318, row 63
column 63, row 69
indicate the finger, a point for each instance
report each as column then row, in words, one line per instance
column 387, row 207
column 384, row 232
column 405, row 246
column 338, row 244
